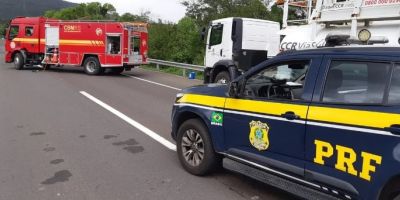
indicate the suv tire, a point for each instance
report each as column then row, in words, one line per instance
column 195, row 150
column 391, row 192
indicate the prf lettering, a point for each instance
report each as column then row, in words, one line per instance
column 346, row 157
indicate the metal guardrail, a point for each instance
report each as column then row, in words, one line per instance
column 2, row 50
column 183, row 66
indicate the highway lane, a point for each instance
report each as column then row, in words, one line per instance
column 57, row 144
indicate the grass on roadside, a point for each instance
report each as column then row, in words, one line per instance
column 173, row 70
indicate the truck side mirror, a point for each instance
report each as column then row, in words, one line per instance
column 203, row 34
column 6, row 30
column 234, row 89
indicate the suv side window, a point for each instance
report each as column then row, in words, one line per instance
column 216, row 34
column 394, row 93
column 14, row 30
column 356, row 82
column 284, row 81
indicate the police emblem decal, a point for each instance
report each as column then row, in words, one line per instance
column 259, row 135
column 217, row 118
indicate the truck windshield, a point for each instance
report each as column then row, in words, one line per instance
column 216, row 34
column 14, row 30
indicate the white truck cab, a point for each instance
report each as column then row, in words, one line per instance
column 236, row 44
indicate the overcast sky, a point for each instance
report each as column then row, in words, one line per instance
column 170, row 10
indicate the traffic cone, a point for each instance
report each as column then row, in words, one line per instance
column 54, row 58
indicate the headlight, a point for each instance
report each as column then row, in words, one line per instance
column 179, row 96
column 364, row 35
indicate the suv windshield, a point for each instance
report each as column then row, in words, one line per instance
column 281, row 81
column 288, row 73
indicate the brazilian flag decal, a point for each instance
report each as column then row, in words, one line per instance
column 217, row 118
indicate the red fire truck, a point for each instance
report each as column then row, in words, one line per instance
column 94, row 45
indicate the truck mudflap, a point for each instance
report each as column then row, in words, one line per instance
column 8, row 57
column 207, row 75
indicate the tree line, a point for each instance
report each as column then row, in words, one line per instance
column 180, row 42
column 3, row 26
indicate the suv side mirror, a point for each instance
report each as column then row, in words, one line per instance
column 234, row 89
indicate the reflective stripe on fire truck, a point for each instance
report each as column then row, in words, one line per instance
column 62, row 42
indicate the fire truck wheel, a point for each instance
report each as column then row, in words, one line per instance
column 222, row 77
column 117, row 71
column 19, row 61
column 92, row 66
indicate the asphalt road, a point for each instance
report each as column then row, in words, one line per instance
column 55, row 143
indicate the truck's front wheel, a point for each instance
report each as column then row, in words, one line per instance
column 222, row 77
column 92, row 66
column 19, row 61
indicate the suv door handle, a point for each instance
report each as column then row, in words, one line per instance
column 220, row 53
column 290, row 115
column 395, row 129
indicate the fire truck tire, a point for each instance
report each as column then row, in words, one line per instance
column 19, row 61
column 222, row 77
column 117, row 71
column 92, row 66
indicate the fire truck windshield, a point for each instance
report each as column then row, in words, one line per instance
column 14, row 30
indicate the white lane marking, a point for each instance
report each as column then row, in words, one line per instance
column 132, row 122
column 155, row 83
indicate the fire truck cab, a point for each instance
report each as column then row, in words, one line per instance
column 94, row 45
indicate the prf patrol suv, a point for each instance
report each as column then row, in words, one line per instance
column 322, row 124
